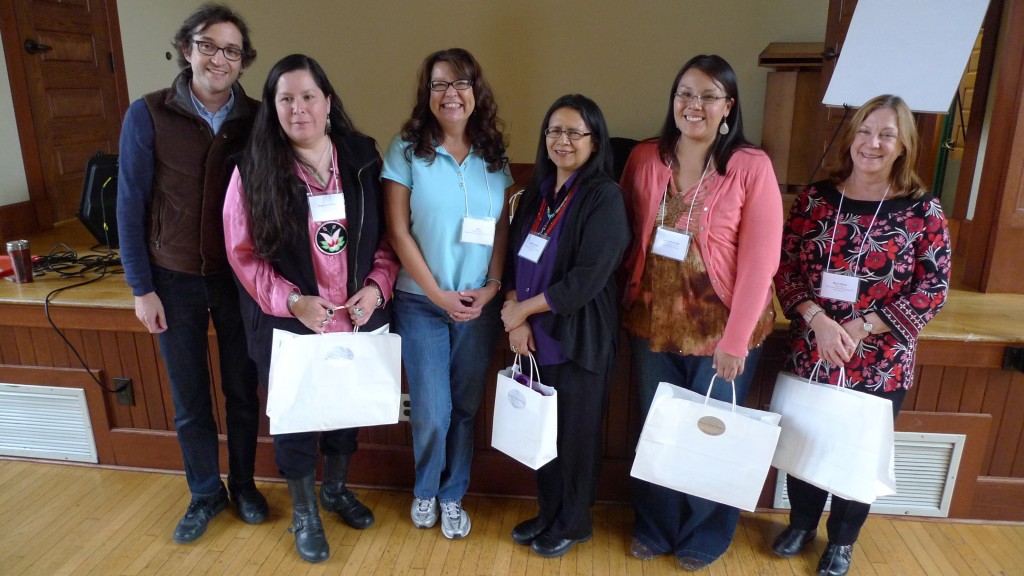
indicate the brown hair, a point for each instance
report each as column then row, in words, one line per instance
column 903, row 177
column 423, row 132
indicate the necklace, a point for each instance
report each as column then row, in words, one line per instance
column 313, row 169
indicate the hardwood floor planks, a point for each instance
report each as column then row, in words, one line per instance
column 75, row 520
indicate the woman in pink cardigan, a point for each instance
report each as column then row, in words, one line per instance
column 706, row 216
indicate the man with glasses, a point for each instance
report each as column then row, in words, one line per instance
column 176, row 155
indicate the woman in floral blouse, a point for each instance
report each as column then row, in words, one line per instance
column 865, row 265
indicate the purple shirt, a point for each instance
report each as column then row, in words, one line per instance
column 534, row 278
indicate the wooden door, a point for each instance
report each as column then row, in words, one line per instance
column 62, row 56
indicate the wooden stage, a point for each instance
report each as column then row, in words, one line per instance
column 960, row 388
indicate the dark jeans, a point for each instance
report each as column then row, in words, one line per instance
column 189, row 302
column 567, row 486
column 668, row 521
column 296, row 454
column 846, row 517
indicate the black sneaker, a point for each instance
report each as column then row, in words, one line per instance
column 252, row 506
column 197, row 517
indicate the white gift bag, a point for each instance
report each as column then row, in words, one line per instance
column 837, row 439
column 705, row 447
column 335, row 380
column 525, row 424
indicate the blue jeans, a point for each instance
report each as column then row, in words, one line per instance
column 446, row 364
column 668, row 521
column 189, row 302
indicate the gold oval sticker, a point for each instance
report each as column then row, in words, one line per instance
column 711, row 426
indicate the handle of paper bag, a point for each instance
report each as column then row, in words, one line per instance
column 814, row 374
column 534, row 369
column 707, row 395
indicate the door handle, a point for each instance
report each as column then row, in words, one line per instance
column 33, row 47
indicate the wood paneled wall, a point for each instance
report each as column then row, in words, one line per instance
column 951, row 377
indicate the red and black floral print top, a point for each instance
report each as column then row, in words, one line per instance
column 904, row 269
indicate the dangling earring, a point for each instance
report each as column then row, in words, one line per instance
column 328, row 130
column 723, row 128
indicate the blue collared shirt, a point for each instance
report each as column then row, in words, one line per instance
column 214, row 119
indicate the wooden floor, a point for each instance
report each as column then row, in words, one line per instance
column 61, row 519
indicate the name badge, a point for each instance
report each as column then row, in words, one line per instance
column 533, row 247
column 839, row 287
column 671, row 243
column 478, row 231
column 327, row 207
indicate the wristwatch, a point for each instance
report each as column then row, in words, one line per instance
column 292, row 299
column 868, row 326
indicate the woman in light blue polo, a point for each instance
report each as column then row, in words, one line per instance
column 445, row 178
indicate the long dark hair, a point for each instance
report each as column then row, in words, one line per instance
column 484, row 128
column 600, row 162
column 724, row 145
column 903, row 175
column 272, row 190
column 206, row 16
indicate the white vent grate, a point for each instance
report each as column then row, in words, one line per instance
column 926, row 471
column 45, row 422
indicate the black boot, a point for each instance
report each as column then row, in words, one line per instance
column 835, row 561
column 310, row 540
column 336, row 498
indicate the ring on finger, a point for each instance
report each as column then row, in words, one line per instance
column 358, row 312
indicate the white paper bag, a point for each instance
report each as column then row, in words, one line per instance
column 332, row 381
column 837, row 439
column 704, row 447
column 525, row 424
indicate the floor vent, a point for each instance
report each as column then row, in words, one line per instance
column 926, row 471
column 45, row 422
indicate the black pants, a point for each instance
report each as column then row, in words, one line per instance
column 566, row 486
column 296, row 454
column 846, row 517
column 190, row 302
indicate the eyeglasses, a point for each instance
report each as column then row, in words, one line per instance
column 210, row 49
column 442, row 86
column 698, row 99
column 556, row 133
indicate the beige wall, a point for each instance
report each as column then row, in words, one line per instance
column 621, row 53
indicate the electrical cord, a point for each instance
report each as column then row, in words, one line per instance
column 66, row 263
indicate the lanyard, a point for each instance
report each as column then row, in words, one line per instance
column 552, row 217
column 487, row 182
column 692, row 201
column 867, row 233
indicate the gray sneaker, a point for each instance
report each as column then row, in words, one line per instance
column 455, row 522
column 424, row 512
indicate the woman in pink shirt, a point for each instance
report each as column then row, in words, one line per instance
column 706, row 216
column 303, row 223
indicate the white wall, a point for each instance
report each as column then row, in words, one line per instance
column 621, row 53
column 13, row 185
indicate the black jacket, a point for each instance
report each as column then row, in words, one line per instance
column 582, row 291
column 359, row 169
